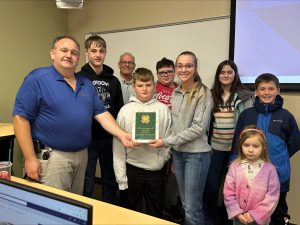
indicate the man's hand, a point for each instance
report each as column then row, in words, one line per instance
column 126, row 140
column 110, row 125
column 24, row 138
column 33, row 168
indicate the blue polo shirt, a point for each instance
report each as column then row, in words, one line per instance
column 59, row 117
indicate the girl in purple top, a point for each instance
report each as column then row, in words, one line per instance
column 251, row 189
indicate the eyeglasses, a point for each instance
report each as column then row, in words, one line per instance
column 187, row 66
column 125, row 63
column 165, row 73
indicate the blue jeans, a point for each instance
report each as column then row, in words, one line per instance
column 215, row 178
column 101, row 149
column 191, row 171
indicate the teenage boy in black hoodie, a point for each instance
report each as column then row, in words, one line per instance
column 109, row 90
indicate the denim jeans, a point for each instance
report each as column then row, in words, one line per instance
column 191, row 171
column 215, row 178
column 101, row 149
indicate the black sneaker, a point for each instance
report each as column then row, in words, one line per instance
column 287, row 221
column 173, row 214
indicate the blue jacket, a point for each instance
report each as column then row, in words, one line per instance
column 281, row 130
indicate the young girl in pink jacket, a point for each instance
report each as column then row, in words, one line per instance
column 251, row 189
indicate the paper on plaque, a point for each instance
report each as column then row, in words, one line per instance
column 145, row 126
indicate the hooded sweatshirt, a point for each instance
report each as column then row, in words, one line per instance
column 144, row 156
column 190, row 121
column 109, row 91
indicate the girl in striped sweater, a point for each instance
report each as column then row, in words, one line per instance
column 230, row 98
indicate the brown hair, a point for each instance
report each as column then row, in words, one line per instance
column 266, row 77
column 99, row 42
column 58, row 38
column 217, row 90
column 143, row 74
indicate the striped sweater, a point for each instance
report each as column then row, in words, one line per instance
column 223, row 129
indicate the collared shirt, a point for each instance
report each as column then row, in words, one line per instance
column 127, row 89
column 251, row 169
column 60, row 117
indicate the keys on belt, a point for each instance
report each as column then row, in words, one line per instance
column 46, row 155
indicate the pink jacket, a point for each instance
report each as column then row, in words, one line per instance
column 258, row 197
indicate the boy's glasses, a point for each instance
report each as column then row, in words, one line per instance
column 165, row 73
column 187, row 66
column 125, row 63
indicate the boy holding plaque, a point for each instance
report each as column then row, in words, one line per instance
column 140, row 169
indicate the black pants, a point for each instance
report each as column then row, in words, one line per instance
column 214, row 214
column 281, row 211
column 171, row 191
column 101, row 149
column 145, row 190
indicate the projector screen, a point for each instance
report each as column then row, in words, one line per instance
column 265, row 38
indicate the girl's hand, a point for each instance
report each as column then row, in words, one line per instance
column 248, row 217
column 242, row 218
column 157, row 143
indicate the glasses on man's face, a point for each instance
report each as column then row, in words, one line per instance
column 125, row 63
column 187, row 66
column 165, row 73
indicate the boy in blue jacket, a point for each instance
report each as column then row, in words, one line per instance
column 282, row 133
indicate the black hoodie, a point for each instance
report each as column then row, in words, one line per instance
column 109, row 90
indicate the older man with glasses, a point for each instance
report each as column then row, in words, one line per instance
column 126, row 65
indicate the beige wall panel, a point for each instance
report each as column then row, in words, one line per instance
column 27, row 31
column 99, row 15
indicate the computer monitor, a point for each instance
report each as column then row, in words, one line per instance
column 21, row 204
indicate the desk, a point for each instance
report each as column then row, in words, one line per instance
column 7, row 133
column 103, row 213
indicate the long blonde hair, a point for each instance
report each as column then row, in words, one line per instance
column 198, row 82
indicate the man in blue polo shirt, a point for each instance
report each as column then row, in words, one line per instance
column 53, row 112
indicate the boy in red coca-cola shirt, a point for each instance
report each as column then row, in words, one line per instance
column 165, row 84
column 165, row 69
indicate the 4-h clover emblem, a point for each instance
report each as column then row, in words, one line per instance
column 145, row 119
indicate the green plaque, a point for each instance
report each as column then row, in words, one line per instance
column 145, row 126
